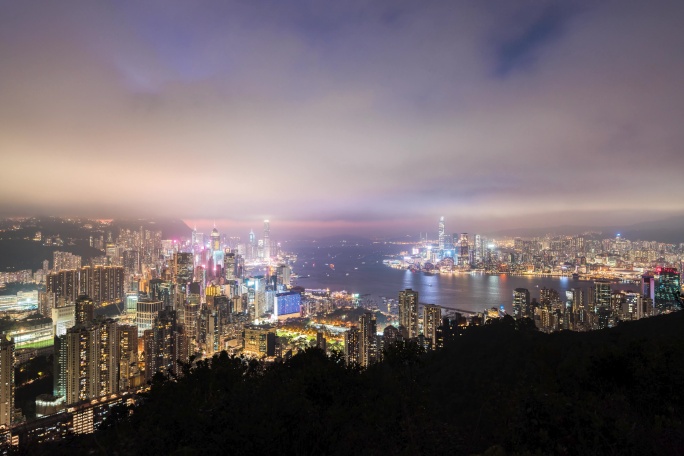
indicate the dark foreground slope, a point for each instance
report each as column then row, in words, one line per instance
column 498, row 390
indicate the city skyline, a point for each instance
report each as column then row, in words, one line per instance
column 366, row 118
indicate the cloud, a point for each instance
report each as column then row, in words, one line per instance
column 356, row 113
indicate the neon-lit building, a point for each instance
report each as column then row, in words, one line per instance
column 667, row 292
column 287, row 305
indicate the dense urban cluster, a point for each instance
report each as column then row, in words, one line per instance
column 648, row 273
column 147, row 309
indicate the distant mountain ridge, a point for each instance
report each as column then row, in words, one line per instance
column 669, row 230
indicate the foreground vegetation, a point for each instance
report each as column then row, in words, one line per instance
column 498, row 389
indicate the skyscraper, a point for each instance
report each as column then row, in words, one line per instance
column 183, row 269
column 351, row 346
column 463, row 250
column 521, row 303
column 440, row 231
column 367, row 339
column 432, row 319
column 667, row 292
column 408, row 312
column 6, row 381
column 267, row 239
column 602, row 295
column 85, row 310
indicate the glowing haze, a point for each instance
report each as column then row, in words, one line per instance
column 358, row 117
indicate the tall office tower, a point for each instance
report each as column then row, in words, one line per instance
column 521, row 303
column 351, row 346
column 463, row 250
column 478, row 250
column 252, row 246
column 390, row 335
column 667, row 291
column 408, row 312
column 147, row 310
column 648, row 286
column 602, row 294
column 193, row 236
column 6, row 381
column 65, row 260
column 229, row 266
column 183, row 269
column 257, row 294
column 440, row 233
column 367, row 339
column 267, row 239
column 85, row 310
column 432, row 319
column 64, row 284
column 215, row 240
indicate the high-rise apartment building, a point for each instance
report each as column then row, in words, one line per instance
column 367, row 339
column 6, row 381
column 408, row 312
column 64, row 284
column 351, row 346
column 432, row 319
column 84, row 310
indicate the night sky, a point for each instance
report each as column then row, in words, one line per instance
column 367, row 117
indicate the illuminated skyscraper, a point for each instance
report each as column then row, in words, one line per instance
column 667, row 292
column 85, row 310
column 267, row 239
column 215, row 240
column 183, row 269
column 91, row 361
column 229, row 266
column 432, row 318
column 521, row 303
column 440, row 232
column 408, row 312
column 463, row 250
column 64, row 284
column 167, row 344
column 146, row 312
column 351, row 346
column 648, row 286
column 367, row 339
column 602, row 295
column 6, row 381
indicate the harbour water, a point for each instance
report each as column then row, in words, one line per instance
column 359, row 269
